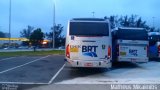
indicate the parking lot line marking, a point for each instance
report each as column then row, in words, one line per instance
column 24, row 83
column 56, row 74
column 7, row 58
column 23, row 64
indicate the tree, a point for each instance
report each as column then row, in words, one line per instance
column 158, row 30
column 2, row 35
column 59, row 38
column 27, row 32
column 37, row 37
column 125, row 21
column 112, row 21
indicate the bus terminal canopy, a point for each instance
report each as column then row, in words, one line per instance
column 14, row 39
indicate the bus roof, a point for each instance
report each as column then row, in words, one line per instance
column 153, row 33
column 88, row 19
column 130, row 28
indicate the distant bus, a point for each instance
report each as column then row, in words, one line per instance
column 130, row 45
column 154, row 44
column 88, row 43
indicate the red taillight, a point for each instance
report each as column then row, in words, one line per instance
column 117, row 50
column 109, row 52
column 158, row 48
column 68, row 51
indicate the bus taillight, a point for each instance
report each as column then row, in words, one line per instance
column 68, row 51
column 159, row 50
column 109, row 52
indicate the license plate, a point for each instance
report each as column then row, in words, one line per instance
column 133, row 60
column 122, row 53
column 75, row 49
column 88, row 64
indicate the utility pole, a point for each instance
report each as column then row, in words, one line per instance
column 93, row 14
column 10, row 11
column 153, row 20
column 54, row 17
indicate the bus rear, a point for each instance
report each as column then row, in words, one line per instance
column 130, row 45
column 154, row 45
column 88, row 43
column 132, row 50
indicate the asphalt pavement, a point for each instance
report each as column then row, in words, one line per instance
column 51, row 73
column 29, row 71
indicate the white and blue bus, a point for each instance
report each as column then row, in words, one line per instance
column 130, row 45
column 88, row 43
column 154, row 45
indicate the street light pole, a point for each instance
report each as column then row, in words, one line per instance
column 153, row 20
column 54, row 13
column 93, row 14
column 10, row 10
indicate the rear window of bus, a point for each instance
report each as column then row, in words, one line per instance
column 89, row 29
column 131, row 34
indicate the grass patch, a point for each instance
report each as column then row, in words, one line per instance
column 32, row 53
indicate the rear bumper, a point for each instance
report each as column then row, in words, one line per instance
column 133, row 59
column 89, row 63
column 154, row 55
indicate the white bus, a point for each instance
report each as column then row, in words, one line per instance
column 130, row 45
column 88, row 43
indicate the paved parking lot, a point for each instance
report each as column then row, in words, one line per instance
column 46, row 72
column 121, row 73
column 30, row 70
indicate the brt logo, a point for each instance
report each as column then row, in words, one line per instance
column 89, row 51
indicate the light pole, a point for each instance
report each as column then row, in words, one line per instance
column 54, row 13
column 10, row 10
column 93, row 14
column 153, row 20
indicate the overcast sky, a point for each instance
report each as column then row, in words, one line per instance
column 39, row 13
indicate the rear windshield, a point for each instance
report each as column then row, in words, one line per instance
column 130, row 34
column 154, row 38
column 89, row 28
